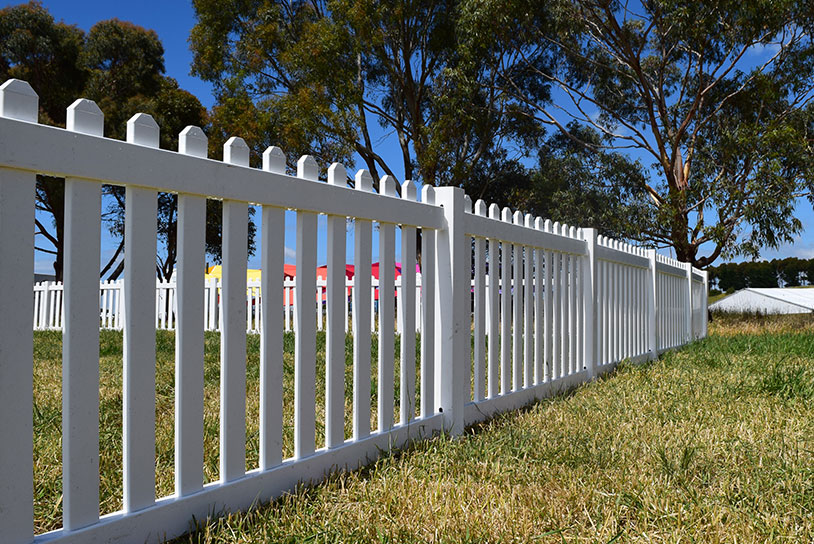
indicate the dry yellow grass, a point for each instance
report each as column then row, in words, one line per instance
column 714, row 443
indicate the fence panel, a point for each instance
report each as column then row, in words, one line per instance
column 550, row 306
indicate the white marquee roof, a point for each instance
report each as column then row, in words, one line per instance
column 749, row 299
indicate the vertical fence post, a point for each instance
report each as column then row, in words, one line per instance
column 588, row 297
column 688, row 310
column 652, row 306
column 452, row 309
column 704, row 304
column 17, row 101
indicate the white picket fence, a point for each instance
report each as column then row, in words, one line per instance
column 558, row 305
column 49, row 315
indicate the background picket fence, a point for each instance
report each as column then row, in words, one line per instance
column 49, row 314
column 516, row 308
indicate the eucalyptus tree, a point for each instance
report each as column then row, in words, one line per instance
column 316, row 77
column 121, row 67
column 715, row 96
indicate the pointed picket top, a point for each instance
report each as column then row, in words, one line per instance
column 387, row 186
column 467, row 204
column 84, row 116
column 337, row 175
column 494, row 211
column 142, row 130
column 307, row 168
column 538, row 223
column 529, row 220
column 517, row 218
column 572, row 231
column 192, row 141
column 19, row 101
column 555, row 228
column 506, row 215
column 564, row 227
column 274, row 160
column 428, row 194
column 364, row 181
column 235, row 151
column 480, row 207
column 579, row 233
column 408, row 190
column 547, row 225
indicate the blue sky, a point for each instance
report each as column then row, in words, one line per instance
column 172, row 21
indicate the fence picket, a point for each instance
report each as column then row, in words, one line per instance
column 271, row 329
column 305, row 322
column 387, row 266
column 479, row 312
column 494, row 307
column 505, row 310
column 335, row 336
column 408, row 305
column 528, row 310
column 517, row 310
column 233, row 325
column 189, row 335
column 539, row 320
column 139, row 332
column 362, row 316
column 428, row 311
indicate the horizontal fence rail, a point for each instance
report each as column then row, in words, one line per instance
column 495, row 310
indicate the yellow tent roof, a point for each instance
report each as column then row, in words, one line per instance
column 252, row 274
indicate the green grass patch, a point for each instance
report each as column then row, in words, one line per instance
column 48, row 412
column 712, row 443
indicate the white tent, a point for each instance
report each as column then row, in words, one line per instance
column 767, row 301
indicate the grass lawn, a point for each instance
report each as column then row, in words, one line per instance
column 713, row 443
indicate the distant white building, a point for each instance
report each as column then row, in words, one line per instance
column 767, row 301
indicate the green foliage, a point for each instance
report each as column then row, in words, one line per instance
column 716, row 94
column 313, row 76
column 788, row 272
column 121, row 67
